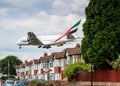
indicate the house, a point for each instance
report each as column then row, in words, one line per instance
column 22, row 70
column 59, row 64
column 44, row 61
column 49, row 67
column 35, row 68
column 17, row 67
column 73, row 54
column 28, row 69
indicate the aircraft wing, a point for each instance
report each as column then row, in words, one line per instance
column 33, row 40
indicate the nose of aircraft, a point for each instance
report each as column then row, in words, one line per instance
column 18, row 42
column 21, row 40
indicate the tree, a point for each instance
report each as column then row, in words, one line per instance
column 102, row 33
column 9, row 61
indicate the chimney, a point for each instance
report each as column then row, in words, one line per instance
column 45, row 54
column 25, row 61
column 78, row 45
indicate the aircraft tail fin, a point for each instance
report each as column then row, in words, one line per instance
column 32, row 39
column 70, row 35
column 71, row 30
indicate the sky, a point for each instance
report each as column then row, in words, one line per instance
column 43, row 17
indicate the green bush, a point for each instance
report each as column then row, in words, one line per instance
column 115, row 64
column 34, row 81
column 11, row 76
column 74, row 69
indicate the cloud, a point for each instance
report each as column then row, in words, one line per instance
column 21, row 55
column 24, row 8
column 18, row 3
column 70, row 6
column 43, row 21
column 3, row 12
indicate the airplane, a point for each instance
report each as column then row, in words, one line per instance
column 51, row 40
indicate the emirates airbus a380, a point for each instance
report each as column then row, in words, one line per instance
column 51, row 40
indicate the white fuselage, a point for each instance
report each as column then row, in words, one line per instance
column 44, row 39
column 50, row 39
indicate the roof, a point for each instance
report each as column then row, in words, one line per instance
column 51, row 57
column 73, row 51
column 17, row 66
column 58, row 55
column 44, row 59
column 22, row 65
column 29, row 63
column 36, row 61
column 55, row 55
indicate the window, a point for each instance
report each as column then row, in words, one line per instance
column 70, row 60
column 51, row 63
column 57, row 76
column 35, row 67
column 56, row 63
column 52, row 76
column 45, row 65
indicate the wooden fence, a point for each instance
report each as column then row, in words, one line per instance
column 99, row 76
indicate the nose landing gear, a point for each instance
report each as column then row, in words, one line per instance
column 20, row 47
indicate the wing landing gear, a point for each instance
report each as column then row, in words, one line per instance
column 47, row 46
column 39, row 46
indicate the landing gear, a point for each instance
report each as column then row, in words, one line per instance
column 47, row 46
column 39, row 46
column 20, row 47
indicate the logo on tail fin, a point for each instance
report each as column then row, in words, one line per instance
column 73, row 31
